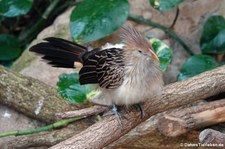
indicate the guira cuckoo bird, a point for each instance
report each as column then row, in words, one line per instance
column 126, row 74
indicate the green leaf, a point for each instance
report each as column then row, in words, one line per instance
column 6, row 64
column 165, row 5
column 92, row 20
column 71, row 90
column 213, row 36
column 163, row 52
column 9, row 47
column 195, row 65
column 12, row 8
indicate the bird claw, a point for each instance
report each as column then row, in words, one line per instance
column 116, row 112
column 139, row 107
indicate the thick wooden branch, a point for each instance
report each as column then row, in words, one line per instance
column 147, row 136
column 30, row 96
column 183, row 120
column 175, row 95
column 208, row 136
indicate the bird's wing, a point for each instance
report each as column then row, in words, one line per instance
column 105, row 67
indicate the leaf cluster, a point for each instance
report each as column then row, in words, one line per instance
column 21, row 21
column 212, row 44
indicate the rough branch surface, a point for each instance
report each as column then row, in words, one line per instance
column 175, row 95
column 30, row 96
column 212, row 136
column 183, row 120
column 83, row 112
column 44, row 138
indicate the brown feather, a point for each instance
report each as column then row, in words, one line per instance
column 134, row 39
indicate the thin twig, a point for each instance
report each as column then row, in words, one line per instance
column 175, row 19
column 45, row 128
column 83, row 112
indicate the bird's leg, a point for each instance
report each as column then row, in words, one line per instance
column 116, row 113
column 140, row 108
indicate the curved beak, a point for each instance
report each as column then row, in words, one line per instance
column 154, row 56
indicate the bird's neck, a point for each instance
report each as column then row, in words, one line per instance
column 141, row 65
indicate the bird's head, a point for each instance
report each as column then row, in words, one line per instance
column 135, row 41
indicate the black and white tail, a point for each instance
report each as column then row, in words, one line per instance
column 59, row 52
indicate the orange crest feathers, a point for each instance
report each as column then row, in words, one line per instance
column 134, row 39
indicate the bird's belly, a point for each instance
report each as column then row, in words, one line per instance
column 133, row 92
column 127, row 95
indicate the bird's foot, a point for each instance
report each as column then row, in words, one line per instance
column 117, row 114
column 115, row 111
column 139, row 107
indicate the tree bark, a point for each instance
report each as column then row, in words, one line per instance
column 147, row 136
column 39, row 101
column 183, row 120
column 47, row 138
column 174, row 95
column 31, row 97
column 208, row 136
column 94, row 110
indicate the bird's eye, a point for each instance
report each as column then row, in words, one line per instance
column 139, row 51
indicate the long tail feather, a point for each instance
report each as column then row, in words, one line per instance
column 59, row 52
